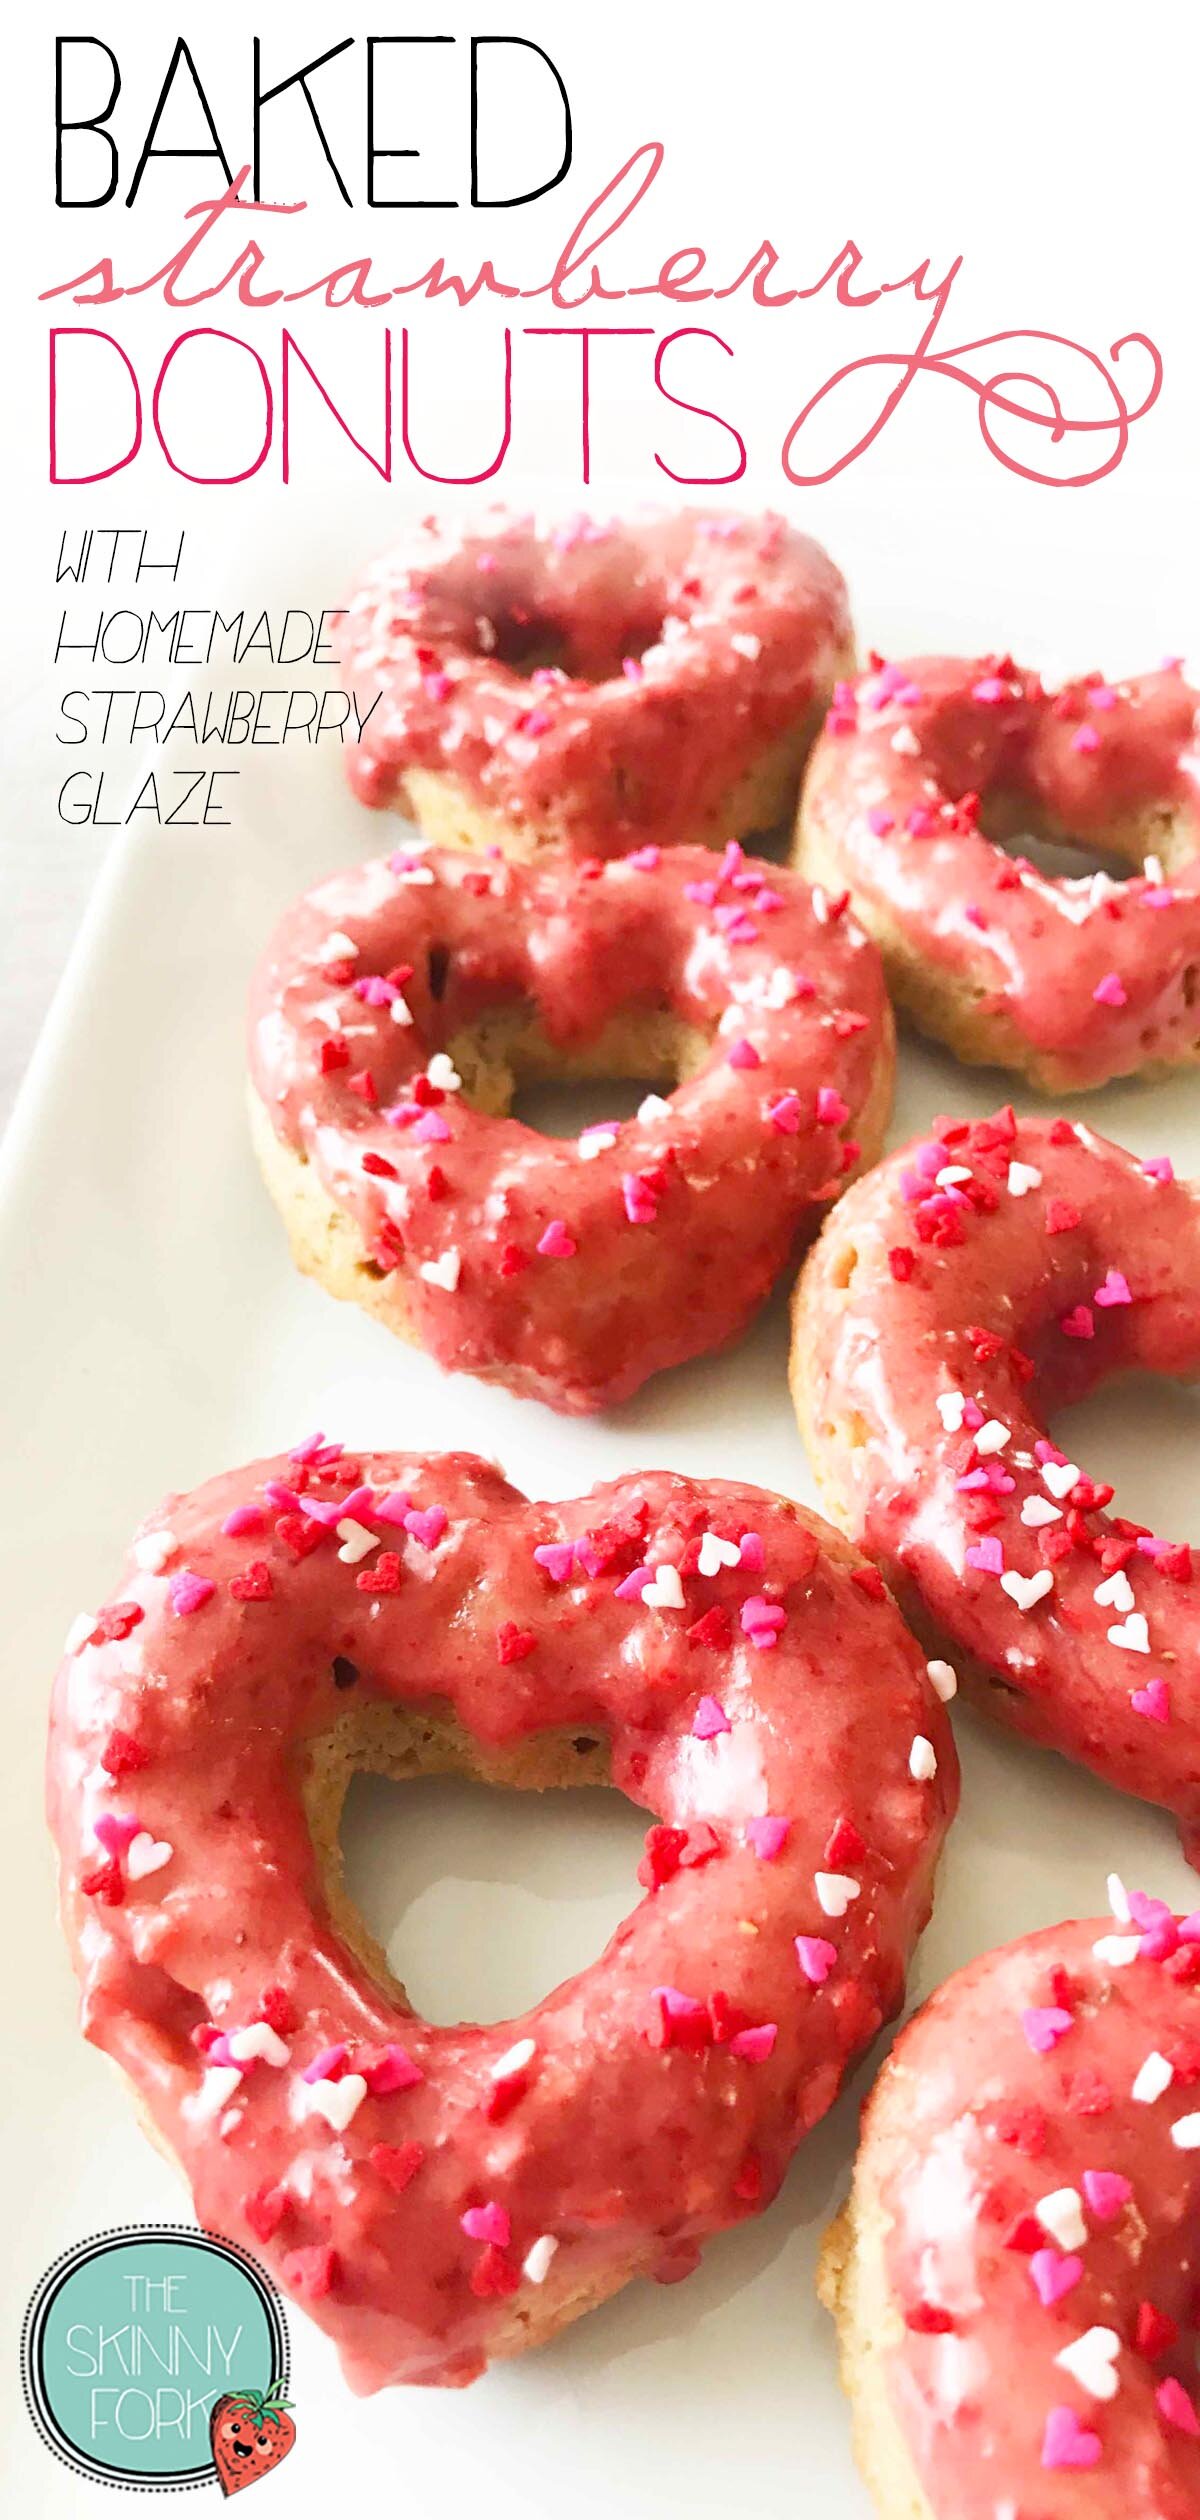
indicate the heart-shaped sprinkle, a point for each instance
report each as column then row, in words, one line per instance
column 950, row 1407
column 835, row 1892
column 1117, row 1950
column 1023, row 1178
column 426, row 1527
column 538, row 2260
column 1115, row 1290
column 1066, row 2443
column 1044, row 2025
column 442, row 1072
column 357, row 1542
column 489, row 2223
column 1154, row 2076
column 986, row 1555
column 1090, row 2360
column 816, row 1957
column 710, row 1717
column 217, row 2088
column 944, row 1679
column 1133, row 1637
column 258, row 2044
column 1116, row 1592
column 444, row 1272
column 1154, row 1701
column 716, row 1553
column 1037, row 1513
column 664, row 1590
column 115, row 1830
column 768, row 1836
column 1107, row 2192
column 1025, row 1590
column 1176, row 2407
column 336, row 2101
column 558, row 1559
column 146, row 1855
column 1185, row 2134
column 1060, row 1477
column 1078, row 1323
column 153, row 1550
column 922, row 1761
column 992, row 1436
column 1053, row 2276
column 1061, row 2217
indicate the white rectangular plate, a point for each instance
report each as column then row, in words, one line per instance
column 151, row 1332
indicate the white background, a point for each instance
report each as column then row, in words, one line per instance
column 150, row 1330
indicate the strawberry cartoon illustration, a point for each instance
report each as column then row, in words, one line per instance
column 250, row 2431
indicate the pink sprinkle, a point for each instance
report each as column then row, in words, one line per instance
column 755, row 2044
column 1078, row 1324
column 991, row 691
column 784, row 1114
column 1106, row 2192
column 394, row 2070
column 315, row 1449
column 975, row 915
column 1066, row 2443
column 768, row 1836
column 427, row 1527
column 921, row 824
column 284, row 1498
column 631, row 1587
column 558, row 1558
column 1110, row 991
column 880, row 822
column 1053, row 2276
column 986, row 1555
column 1175, row 2407
column 392, row 1506
column 431, row 1129
column 116, row 1830
column 243, row 1518
column 631, row 667
column 753, row 1554
column 744, row 1055
column 1153, row 1700
column 1158, row 897
column 487, row 2222
column 187, row 1592
column 709, row 1719
column 640, row 1198
column 1101, row 696
column 535, row 722
column 645, row 860
column 436, row 686
column 704, row 893
column 556, row 1242
column 767, row 901
column 762, row 1620
column 324, row 2066
column 831, row 1110
column 816, row 1957
column 1115, row 1290
column 1044, row 2025
column 1085, row 739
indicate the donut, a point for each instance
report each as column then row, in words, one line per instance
column 399, row 1005
column 440, row 2196
column 592, row 685
column 970, row 1285
column 1016, row 2279
column 1067, row 982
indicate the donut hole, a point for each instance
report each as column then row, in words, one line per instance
column 1142, row 1432
column 475, row 1902
column 511, row 1069
column 528, row 640
column 1055, row 854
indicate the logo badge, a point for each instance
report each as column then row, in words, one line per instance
column 157, row 2356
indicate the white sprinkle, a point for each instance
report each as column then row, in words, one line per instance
column 665, row 1589
column 951, row 1174
column 1025, row 1590
column 442, row 1072
column 1117, row 1950
column 80, row 1632
column 145, row 1854
column 400, row 1011
column 217, row 2086
column 654, row 1107
column 945, row 1680
column 1134, row 1637
column 357, row 1541
column 922, row 1761
column 514, row 2060
column 1060, row 1477
column 835, row 1892
column 1061, row 2215
column 992, row 1437
column 258, row 2040
column 716, row 1553
column 336, row 2102
column 153, row 1550
column 905, row 741
column 744, row 643
column 538, row 2262
column 1037, row 1513
column 1153, row 2078
column 337, row 947
column 1118, row 1899
column 413, row 874
column 950, row 1408
column 1023, row 1177
column 1152, row 868
column 444, row 1272
column 1090, row 2361
column 1115, row 1593
column 595, row 1142
column 1185, row 2134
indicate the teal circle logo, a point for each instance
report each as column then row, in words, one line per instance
column 131, row 2340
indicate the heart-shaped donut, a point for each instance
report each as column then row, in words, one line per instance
column 593, row 686
column 1015, row 2277
column 399, row 1006
column 925, row 766
column 439, row 2196
column 966, row 1288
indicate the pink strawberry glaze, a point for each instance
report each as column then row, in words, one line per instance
column 1021, row 1268
column 966, row 2133
column 642, row 2121
column 577, row 1278
column 732, row 628
column 1101, row 980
